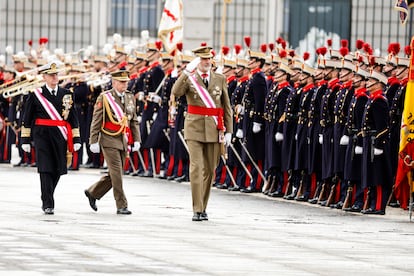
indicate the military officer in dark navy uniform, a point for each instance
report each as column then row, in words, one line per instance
column 376, row 164
column 51, row 123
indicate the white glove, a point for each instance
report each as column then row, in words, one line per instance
column 174, row 73
column 139, row 118
column 256, row 127
column 154, row 116
column 378, row 151
column 137, row 146
column 358, row 150
column 173, row 110
column 279, row 136
column 95, row 148
column 141, row 96
column 219, row 69
column 155, row 98
column 227, row 138
column 26, row 147
column 320, row 139
column 239, row 133
column 239, row 109
column 296, row 137
column 77, row 146
column 344, row 140
column 192, row 65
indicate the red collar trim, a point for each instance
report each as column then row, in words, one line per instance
column 283, row 85
column 393, row 80
column 255, row 71
column 231, row 78
column 308, row 87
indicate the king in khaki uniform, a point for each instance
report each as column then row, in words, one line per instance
column 209, row 116
column 114, row 129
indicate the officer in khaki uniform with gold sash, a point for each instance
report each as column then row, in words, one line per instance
column 114, row 129
column 208, row 124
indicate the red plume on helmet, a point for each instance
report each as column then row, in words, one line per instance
column 263, row 48
column 30, row 42
column 271, row 46
column 323, row 50
column 202, row 44
column 180, row 46
column 360, row 59
column 344, row 43
column 306, row 56
column 225, row 50
column 43, row 40
column 407, row 50
column 282, row 53
column 318, row 51
column 213, row 53
column 344, row 51
column 371, row 60
column 395, row 48
column 237, row 48
column 279, row 40
column 329, row 42
column 158, row 44
column 368, row 49
column 359, row 44
column 292, row 53
column 283, row 44
column 247, row 41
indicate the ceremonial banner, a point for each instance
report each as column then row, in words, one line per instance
column 170, row 30
column 403, row 6
column 402, row 181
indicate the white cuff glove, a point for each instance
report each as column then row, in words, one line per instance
column 239, row 109
column 139, row 118
column 192, row 65
column 154, row 116
column 358, row 150
column 320, row 139
column 174, row 73
column 296, row 137
column 76, row 146
column 279, row 136
column 239, row 133
column 227, row 138
column 173, row 110
column 378, row 151
column 344, row 140
column 154, row 98
column 95, row 148
column 137, row 146
column 141, row 96
column 256, row 127
column 26, row 147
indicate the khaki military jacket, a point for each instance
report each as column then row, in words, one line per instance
column 100, row 113
column 203, row 128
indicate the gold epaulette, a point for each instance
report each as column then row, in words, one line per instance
column 282, row 118
column 75, row 132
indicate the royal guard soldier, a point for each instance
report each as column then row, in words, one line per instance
column 234, row 153
column 341, row 108
column 50, row 121
column 80, row 90
column 282, row 92
column 158, row 138
column 301, row 136
column 229, row 66
column 314, row 126
column 153, row 79
column 7, row 135
column 253, row 121
column 376, row 164
column 327, row 123
column 354, row 200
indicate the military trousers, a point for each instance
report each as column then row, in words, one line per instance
column 204, row 158
column 115, row 160
column 48, row 183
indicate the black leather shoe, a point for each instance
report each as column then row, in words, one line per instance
column 323, row 202
column 171, row 177
column 337, row 205
column 313, row 200
column 276, row 194
column 204, row 216
column 394, row 204
column 249, row 190
column 233, row 189
column 302, row 198
column 197, row 216
column 182, row 178
column 123, row 211
column 92, row 201
column 145, row 174
column 221, row 186
column 371, row 211
column 354, row 209
column 49, row 211
column 290, row 197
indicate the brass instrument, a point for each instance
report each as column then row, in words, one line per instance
column 22, row 87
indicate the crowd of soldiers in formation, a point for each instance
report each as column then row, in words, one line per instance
column 326, row 134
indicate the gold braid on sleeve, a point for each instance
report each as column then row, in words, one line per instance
column 123, row 123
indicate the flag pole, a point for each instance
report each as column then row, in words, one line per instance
column 223, row 22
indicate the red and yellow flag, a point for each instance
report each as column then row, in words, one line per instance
column 404, row 178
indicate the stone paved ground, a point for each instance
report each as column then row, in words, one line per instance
column 246, row 234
